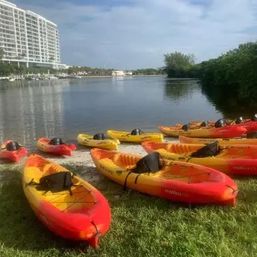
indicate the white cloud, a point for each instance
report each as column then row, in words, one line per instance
column 138, row 35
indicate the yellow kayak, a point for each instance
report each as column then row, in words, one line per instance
column 232, row 160
column 222, row 141
column 68, row 205
column 98, row 141
column 135, row 136
column 176, row 181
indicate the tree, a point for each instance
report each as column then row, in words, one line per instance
column 179, row 64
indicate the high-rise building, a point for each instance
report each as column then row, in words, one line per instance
column 27, row 37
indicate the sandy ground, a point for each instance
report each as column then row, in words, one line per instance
column 81, row 156
column 82, row 160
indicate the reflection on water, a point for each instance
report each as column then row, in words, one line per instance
column 31, row 109
column 176, row 89
column 230, row 105
column 64, row 108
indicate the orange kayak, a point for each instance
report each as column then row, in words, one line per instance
column 44, row 145
column 248, row 124
column 222, row 132
column 175, row 181
column 69, row 206
column 12, row 151
column 222, row 142
column 232, row 160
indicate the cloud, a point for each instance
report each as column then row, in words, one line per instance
column 137, row 34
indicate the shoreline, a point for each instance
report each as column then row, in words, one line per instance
column 82, row 161
column 79, row 162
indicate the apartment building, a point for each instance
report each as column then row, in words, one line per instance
column 28, row 38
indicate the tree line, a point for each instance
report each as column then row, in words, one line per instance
column 232, row 73
column 7, row 69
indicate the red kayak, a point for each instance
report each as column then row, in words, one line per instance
column 249, row 125
column 12, row 151
column 227, row 131
column 55, row 146
column 67, row 204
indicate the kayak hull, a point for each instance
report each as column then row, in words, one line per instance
column 63, row 149
column 87, row 140
column 230, row 162
column 178, row 181
column 222, row 142
column 82, row 215
column 125, row 136
column 224, row 132
column 12, row 156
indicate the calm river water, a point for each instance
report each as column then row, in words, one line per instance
column 64, row 108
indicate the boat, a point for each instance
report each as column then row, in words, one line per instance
column 135, row 136
column 233, row 160
column 69, row 206
column 12, row 151
column 222, row 141
column 228, row 131
column 98, row 140
column 11, row 79
column 55, row 146
column 175, row 181
column 249, row 124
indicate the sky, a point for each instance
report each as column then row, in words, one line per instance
column 134, row 34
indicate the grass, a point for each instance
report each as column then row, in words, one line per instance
column 141, row 225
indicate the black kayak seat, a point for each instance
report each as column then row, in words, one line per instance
column 149, row 163
column 204, row 124
column 56, row 182
column 220, row 123
column 99, row 136
column 211, row 149
column 12, row 146
column 185, row 127
column 239, row 120
column 56, row 141
column 136, row 131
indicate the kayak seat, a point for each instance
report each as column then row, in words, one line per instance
column 55, row 182
column 99, row 136
column 56, row 141
column 12, row 146
column 149, row 163
column 211, row 149
column 136, row 132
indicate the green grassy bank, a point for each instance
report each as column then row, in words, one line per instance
column 141, row 225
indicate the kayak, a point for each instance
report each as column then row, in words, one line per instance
column 44, row 145
column 177, row 181
column 12, row 151
column 229, row 152
column 222, row 132
column 222, row 142
column 71, row 208
column 248, row 124
column 90, row 141
column 130, row 137
column 233, row 160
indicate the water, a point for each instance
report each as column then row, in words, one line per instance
column 64, row 108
